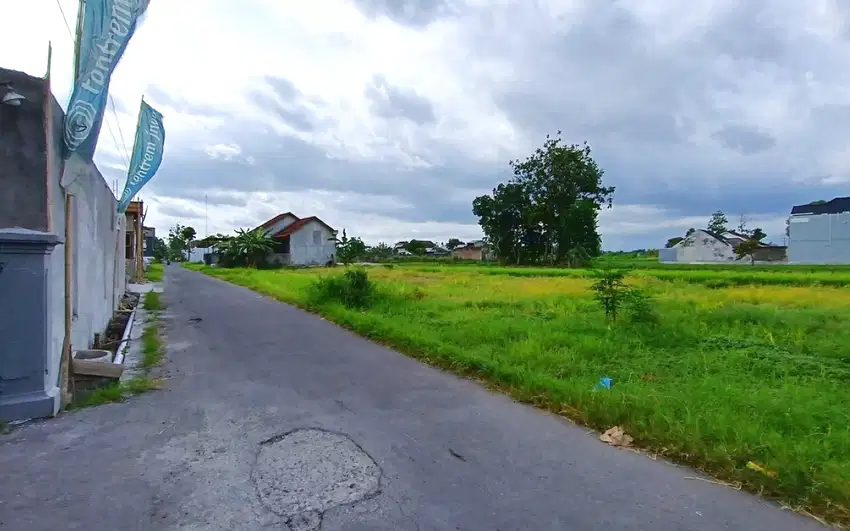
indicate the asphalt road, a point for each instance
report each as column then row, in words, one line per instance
column 276, row 419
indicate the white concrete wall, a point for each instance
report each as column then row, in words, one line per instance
column 196, row 254
column 307, row 249
column 98, row 267
column 281, row 224
column 703, row 247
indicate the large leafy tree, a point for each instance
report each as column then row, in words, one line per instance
column 179, row 239
column 453, row 244
column 548, row 210
column 717, row 223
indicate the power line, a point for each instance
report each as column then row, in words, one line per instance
column 67, row 26
column 120, row 132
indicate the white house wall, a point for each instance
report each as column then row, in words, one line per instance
column 196, row 254
column 304, row 250
column 98, row 265
column 822, row 239
column 703, row 247
column 281, row 224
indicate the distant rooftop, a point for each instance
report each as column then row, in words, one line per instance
column 839, row 204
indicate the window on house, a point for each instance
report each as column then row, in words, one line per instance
column 282, row 246
column 317, row 237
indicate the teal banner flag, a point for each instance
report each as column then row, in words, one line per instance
column 147, row 153
column 104, row 29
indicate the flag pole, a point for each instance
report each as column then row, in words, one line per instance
column 79, row 31
column 48, row 126
column 66, row 369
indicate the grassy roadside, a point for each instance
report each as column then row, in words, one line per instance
column 154, row 273
column 730, row 376
column 152, row 349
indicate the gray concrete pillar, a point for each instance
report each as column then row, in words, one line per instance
column 25, row 292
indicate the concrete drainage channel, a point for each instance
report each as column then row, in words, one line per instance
column 95, row 367
column 303, row 473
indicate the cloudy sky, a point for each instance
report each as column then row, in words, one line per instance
column 387, row 117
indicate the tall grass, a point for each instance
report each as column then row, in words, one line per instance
column 727, row 375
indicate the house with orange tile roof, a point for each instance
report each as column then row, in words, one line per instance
column 301, row 241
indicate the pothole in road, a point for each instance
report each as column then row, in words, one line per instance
column 303, row 473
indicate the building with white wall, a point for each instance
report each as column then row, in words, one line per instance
column 39, row 190
column 301, row 241
column 819, row 233
column 706, row 247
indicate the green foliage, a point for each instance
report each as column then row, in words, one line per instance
column 213, row 241
column 641, row 308
column 160, row 251
column 353, row 289
column 152, row 346
column 416, row 247
column 378, row 253
column 247, row 248
column 747, row 248
column 615, row 296
column 453, row 244
column 180, row 242
column 726, row 376
column 154, row 272
column 152, row 302
column 548, row 208
column 348, row 249
column 717, row 223
column 610, row 291
column 672, row 242
column 116, row 392
column 188, row 234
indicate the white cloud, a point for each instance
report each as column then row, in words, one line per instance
column 737, row 106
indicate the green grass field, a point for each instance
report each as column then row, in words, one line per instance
column 154, row 273
column 744, row 365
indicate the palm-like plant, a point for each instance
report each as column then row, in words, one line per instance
column 250, row 246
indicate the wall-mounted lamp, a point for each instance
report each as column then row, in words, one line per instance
column 9, row 97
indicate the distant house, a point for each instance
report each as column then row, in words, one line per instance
column 149, row 241
column 819, row 233
column 301, row 241
column 475, row 250
column 430, row 248
column 705, row 247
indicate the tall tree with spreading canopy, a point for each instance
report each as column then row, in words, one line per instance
column 717, row 223
column 548, row 210
column 453, row 244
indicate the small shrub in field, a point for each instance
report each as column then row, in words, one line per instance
column 610, row 291
column 640, row 308
column 353, row 289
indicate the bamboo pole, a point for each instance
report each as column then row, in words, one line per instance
column 48, row 135
column 66, row 370
column 140, row 267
